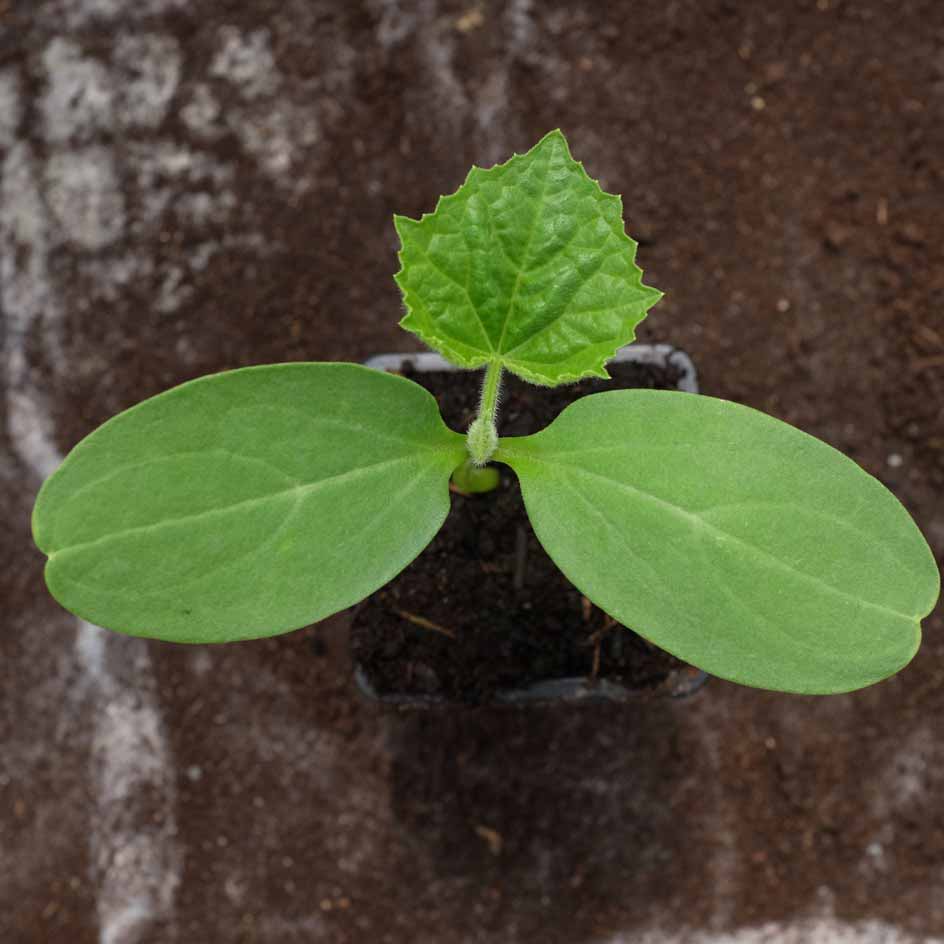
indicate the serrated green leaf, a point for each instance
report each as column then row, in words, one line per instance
column 729, row 538
column 527, row 265
column 247, row 503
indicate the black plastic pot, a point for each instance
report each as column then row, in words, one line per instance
column 680, row 683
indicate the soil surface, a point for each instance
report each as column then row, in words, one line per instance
column 189, row 187
column 483, row 612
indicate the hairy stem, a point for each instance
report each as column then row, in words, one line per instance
column 482, row 438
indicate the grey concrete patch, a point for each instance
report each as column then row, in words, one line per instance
column 84, row 196
column 186, row 188
column 246, row 61
column 9, row 107
column 201, row 113
column 149, row 69
column 79, row 97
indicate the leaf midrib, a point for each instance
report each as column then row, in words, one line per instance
column 179, row 585
column 299, row 491
column 523, row 267
column 445, row 273
column 669, row 600
column 679, row 511
column 566, row 310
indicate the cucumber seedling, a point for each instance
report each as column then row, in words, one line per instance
column 256, row 501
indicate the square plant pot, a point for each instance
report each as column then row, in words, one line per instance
column 483, row 616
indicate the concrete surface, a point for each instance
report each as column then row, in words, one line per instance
column 191, row 186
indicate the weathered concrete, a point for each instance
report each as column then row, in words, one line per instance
column 186, row 187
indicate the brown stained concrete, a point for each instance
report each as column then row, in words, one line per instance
column 190, row 187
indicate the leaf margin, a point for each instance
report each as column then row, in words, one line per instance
column 450, row 451
column 465, row 357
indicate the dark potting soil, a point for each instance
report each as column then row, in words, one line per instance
column 484, row 610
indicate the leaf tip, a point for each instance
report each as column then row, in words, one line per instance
column 556, row 136
column 403, row 225
column 408, row 319
column 40, row 526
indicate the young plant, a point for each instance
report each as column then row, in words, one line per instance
column 257, row 501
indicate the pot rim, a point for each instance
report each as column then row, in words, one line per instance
column 426, row 362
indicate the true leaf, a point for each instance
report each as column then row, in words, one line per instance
column 528, row 265
column 247, row 503
column 729, row 538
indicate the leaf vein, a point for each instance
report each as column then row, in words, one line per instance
column 659, row 579
column 771, row 559
column 445, row 273
column 523, row 266
column 567, row 310
column 299, row 491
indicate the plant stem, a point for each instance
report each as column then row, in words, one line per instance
column 482, row 438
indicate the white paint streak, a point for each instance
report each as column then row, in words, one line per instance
column 266, row 137
column 134, row 845
column 437, row 46
column 440, row 89
column 79, row 94
column 491, row 102
column 83, row 193
column 201, row 662
column 91, row 650
column 906, row 778
column 394, row 24
column 269, row 126
column 201, row 114
column 29, row 425
column 722, row 872
column 909, row 781
column 9, row 107
column 521, row 25
column 102, row 197
column 173, row 292
column 247, row 62
column 149, row 68
column 26, row 300
column 80, row 13
column 811, row 931
column 493, row 99
column 135, row 859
